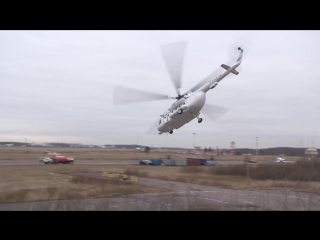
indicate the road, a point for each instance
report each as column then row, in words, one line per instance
column 178, row 196
column 36, row 162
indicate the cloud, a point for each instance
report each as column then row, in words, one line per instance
column 58, row 86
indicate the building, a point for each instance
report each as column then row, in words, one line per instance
column 311, row 153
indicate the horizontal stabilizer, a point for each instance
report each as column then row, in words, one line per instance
column 226, row 67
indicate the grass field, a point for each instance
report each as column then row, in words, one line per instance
column 20, row 183
column 46, row 182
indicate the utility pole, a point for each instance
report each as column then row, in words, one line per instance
column 247, row 170
column 194, row 143
column 26, row 145
column 256, row 145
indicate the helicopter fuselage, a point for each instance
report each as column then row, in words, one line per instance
column 190, row 104
column 182, row 112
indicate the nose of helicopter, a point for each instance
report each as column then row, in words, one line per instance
column 197, row 102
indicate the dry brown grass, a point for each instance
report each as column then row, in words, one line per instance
column 136, row 172
column 43, row 182
column 302, row 175
column 299, row 171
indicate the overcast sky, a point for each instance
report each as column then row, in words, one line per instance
column 57, row 86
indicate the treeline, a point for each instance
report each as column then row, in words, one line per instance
column 287, row 151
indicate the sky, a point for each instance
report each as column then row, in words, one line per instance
column 57, row 86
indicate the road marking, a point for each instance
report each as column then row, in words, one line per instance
column 247, row 201
column 166, row 204
column 227, row 197
column 214, row 200
column 297, row 197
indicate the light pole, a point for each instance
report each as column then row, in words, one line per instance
column 256, row 145
column 194, row 143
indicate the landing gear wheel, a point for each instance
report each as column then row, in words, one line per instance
column 180, row 111
column 170, row 131
column 199, row 120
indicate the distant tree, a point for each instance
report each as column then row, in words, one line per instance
column 237, row 153
column 147, row 149
column 205, row 150
column 209, row 150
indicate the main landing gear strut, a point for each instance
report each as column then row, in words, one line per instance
column 199, row 119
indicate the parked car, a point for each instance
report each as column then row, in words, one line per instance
column 43, row 159
column 212, row 162
column 252, row 161
column 280, row 160
column 145, row 162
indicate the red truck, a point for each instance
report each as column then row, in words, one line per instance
column 60, row 159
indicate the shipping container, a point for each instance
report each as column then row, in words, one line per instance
column 60, row 159
column 180, row 162
column 193, row 162
column 156, row 161
column 168, row 162
column 203, row 161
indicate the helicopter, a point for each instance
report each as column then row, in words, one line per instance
column 169, row 156
column 188, row 105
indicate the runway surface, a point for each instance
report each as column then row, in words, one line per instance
column 36, row 162
column 178, row 196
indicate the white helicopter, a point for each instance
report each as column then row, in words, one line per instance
column 188, row 105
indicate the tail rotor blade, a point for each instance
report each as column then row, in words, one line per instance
column 173, row 56
column 214, row 112
column 244, row 43
column 233, row 53
column 124, row 95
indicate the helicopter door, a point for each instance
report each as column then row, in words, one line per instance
column 166, row 118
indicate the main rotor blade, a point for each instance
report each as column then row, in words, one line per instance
column 214, row 112
column 173, row 55
column 153, row 129
column 124, row 95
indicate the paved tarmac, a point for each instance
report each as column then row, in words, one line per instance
column 36, row 162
